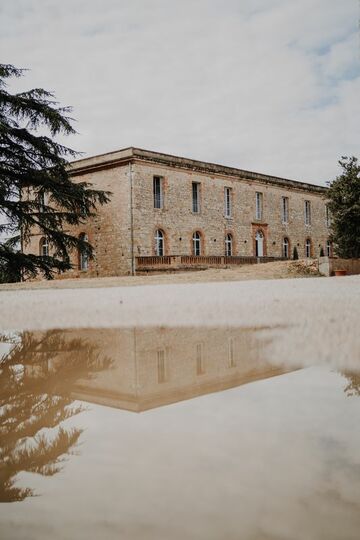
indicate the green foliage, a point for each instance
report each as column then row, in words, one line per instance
column 36, row 191
column 295, row 254
column 344, row 206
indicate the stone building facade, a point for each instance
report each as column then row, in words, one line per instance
column 165, row 206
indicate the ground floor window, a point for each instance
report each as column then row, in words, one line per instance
column 286, row 248
column 83, row 254
column 197, row 243
column 308, row 248
column 328, row 248
column 44, row 247
column 159, row 243
column 259, row 244
column 228, row 245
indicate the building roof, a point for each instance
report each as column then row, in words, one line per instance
column 131, row 154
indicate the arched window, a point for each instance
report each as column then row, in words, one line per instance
column 44, row 247
column 83, row 255
column 259, row 244
column 286, row 248
column 228, row 245
column 328, row 249
column 197, row 243
column 159, row 243
column 308, row 248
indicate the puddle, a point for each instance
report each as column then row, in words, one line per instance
column 163, row 432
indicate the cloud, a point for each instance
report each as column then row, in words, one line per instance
column 270, row 86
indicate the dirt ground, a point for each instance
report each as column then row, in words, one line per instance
column 274, row 270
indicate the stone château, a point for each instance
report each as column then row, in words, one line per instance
column 169, row 211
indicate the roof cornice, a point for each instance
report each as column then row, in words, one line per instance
column 124, row 156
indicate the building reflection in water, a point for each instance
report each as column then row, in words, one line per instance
column 44, row 376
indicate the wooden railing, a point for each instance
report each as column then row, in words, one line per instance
column 153, row 261
column 185, row 261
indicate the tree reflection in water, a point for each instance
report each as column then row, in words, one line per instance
column 353, row 386
column 36, row 378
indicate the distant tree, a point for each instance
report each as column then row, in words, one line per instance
column 295, row 254
column 36, row 190
column 344, row 206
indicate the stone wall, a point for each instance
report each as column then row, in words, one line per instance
column 328, row 265
column 178, row 221
column 108, row 232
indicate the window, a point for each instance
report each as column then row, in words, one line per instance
column 227, row 202
column 83, row 254
column 161, row 366
column 286, row 248
column 159, row 243
column 259, row 205
column 228, row 245
column 44, row 247
column 308, row 248
column 232, row 362
column 42, row 200
column 285, row 209
column 307, row 213
column 196, row 197
column 328, row 249
column 197, row 243
column 259, row 244
column 158, row 192
column 199, row 359
column 327, row 216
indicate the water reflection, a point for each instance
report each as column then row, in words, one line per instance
column 44, row 375
column 157, row 366
column 35, row 400
column 353, row 386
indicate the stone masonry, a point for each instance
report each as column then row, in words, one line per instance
column 125, row 229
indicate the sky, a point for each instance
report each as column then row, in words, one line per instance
column 271, row 86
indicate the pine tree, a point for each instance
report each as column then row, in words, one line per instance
column 36, row 190
column 344, row 207
column 295, row 254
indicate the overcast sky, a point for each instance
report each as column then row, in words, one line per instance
column 267, row 85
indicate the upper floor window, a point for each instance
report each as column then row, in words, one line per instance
column 196, row 197
column 327, row 215
column 42, row 201
column 307, row 210
column 308, row 248
column 83, row 254
column 44, row 247
column 227, row 202
column 158, row 192
column 228, row 245
column 285, row 209
column 197, row 243
column 259, row 205
column 159, row 243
